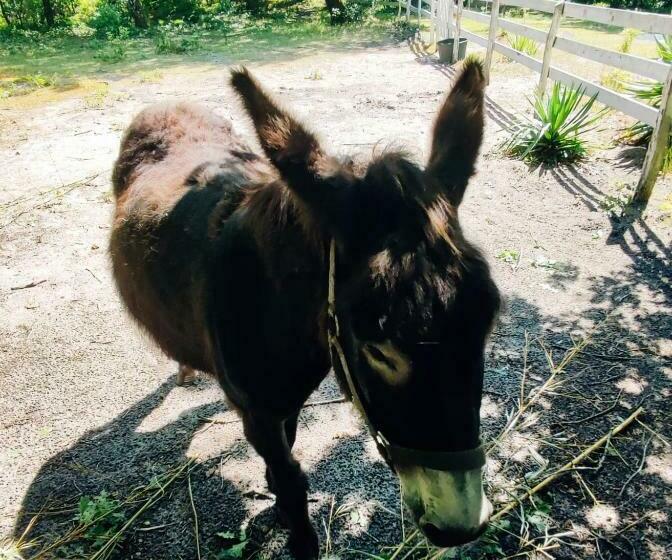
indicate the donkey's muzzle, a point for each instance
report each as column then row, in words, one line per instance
column 452, row 536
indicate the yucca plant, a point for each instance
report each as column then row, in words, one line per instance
column 523, row 44
column 556, row 133
column 639, row 134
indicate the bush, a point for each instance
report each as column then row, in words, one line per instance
column 402, row 29
column 169, row 41
column 555, row 134
column 346, row 11
column 109, row 20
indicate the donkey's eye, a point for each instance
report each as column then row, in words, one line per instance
column 387, row 361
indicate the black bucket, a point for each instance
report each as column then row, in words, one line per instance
column 446, row 50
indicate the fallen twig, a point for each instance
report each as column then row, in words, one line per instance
column 596, row 415
column 639, row 468
column 193, row 508
column 29, row 285
column 569, row 466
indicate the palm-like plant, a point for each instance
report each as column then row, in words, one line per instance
column 556, row 134
column 523, row 44
column 639, row 134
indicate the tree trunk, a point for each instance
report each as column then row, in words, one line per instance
column 137, row 11
column 48, row 12
column 336, row 11
column 5, row 14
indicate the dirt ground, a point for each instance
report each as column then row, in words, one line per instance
column 87, row 403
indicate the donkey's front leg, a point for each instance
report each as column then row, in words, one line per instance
column 269, row 437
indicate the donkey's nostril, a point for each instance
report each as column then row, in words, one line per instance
column 452, row 536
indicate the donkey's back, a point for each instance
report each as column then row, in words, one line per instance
column 177, row 178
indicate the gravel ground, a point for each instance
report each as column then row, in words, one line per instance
column 87, row 403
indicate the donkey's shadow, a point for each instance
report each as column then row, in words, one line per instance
column 118, row 458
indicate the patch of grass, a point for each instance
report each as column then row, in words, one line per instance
column 315, row 75
column 98, row 96
column 115, row 52
column 509, row 256
column 24, row 84
column 556, row 133
column 150, row 76
column 523, row 44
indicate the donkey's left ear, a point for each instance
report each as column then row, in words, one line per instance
column 458, row 132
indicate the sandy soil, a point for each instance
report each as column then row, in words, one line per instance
column 87, row 403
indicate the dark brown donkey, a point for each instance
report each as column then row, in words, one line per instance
column 223, row 255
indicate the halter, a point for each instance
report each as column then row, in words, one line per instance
column 394, row 455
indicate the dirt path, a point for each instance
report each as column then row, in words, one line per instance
column 87, row 403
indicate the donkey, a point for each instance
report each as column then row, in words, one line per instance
column 253, row 267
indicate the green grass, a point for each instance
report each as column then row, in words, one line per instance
column 240, row 40
column 599, row 35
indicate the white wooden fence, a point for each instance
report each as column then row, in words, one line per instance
column 445, row 18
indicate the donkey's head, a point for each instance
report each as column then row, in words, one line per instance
column 415, row 300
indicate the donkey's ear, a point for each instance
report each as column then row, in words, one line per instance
column 293, row 150
column 458, row 132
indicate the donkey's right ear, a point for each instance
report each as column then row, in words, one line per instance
column 458, row 132
column 293, row 150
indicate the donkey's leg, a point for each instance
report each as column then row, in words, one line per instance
column 269, row 437
column 185, row 375
column 290, row 425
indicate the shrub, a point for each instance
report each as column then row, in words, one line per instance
column 523, row 44
column 169, row 41
column 402, row 29
column 555, row 134
column 109, row 20
column 346, row 11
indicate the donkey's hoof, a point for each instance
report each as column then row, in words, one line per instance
column 185, row 375
column 304, row 545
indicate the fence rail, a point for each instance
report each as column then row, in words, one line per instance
column 445, row 18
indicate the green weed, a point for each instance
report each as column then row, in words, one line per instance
column 103, row 517
column 509, row 256
column 235, row 545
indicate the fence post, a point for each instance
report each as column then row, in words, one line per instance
column 408, row 10
column 419, row 13
column 492, row 35
column 432, row 21
column 449, row 19
column 458, row 26
column 548, row 49
column 657, row 146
